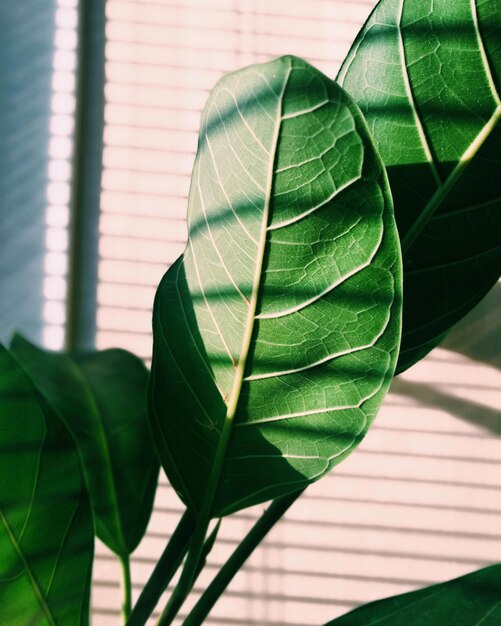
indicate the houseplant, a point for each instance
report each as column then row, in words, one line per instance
column 232, row 330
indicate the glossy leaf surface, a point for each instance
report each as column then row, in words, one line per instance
column 276, row 332
column 101, row 396
column 427, row 77
column 46, row 527
column 471, row 600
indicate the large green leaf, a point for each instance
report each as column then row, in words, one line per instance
column 467, row 601
column 426, row 74
column 101, row 396
column 276, row 332
column 46, row 528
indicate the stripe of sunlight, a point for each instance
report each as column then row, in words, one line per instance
column 59, row 173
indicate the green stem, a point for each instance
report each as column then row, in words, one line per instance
column 164, row 571
column 226, row 574
column 174, row 605
column 126, row 587
column 188, row 575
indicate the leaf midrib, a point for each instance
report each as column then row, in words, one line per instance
column 483, row 52
column 441, row 193
column 106, row 456
column 220, row 455
column 412, row 101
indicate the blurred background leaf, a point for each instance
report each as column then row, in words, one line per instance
column 46, row 528
column 101, row 397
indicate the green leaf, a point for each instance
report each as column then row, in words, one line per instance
column 426, row 75
column 101, row 396
column 46, row 528
column 276, row 332
column 471, row 600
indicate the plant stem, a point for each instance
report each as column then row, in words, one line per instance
column 226, row 574
column 208, row 545
column 165, row 569
column 188, row 574
column 173, row 606
column 126, row 587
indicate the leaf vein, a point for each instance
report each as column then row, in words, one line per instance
column 42, row 600
column 326, row 359
column 246, row 124
column 483, row 53
column 441, row 266
column 216, row 170
column 335, row 284
column 209, row 231
column 315, row 107
column 213, row 317
column 320, row 205
column 412, row 99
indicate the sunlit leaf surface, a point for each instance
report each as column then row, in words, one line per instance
column 426, row 74
column 276, row 332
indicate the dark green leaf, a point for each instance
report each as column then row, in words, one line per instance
column 427, row 76
column 276, row 332
column 101, row 396
column 46, row 528
column 467, row 601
